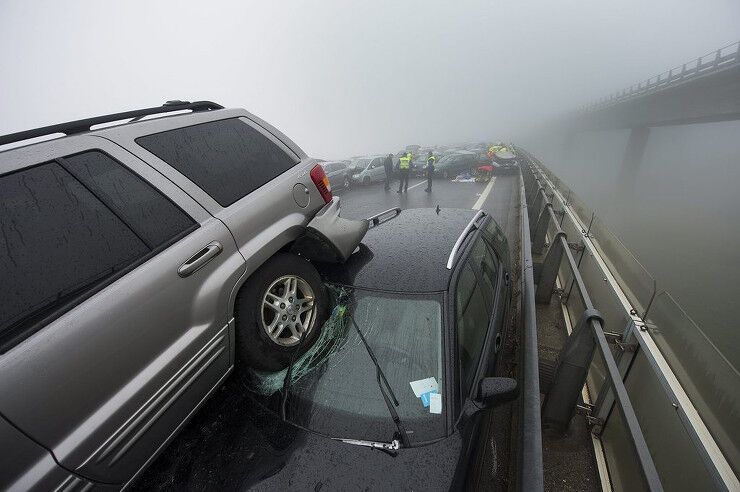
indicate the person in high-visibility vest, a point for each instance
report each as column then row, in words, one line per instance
column 431, row 159
column 404, row 166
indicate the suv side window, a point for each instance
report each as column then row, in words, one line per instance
column 472, row 324
column 228, row 159
column 69, row 227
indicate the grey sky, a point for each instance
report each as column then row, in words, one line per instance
column 345, row 77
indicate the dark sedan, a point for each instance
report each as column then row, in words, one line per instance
column 451, row 165
column 393, row 394
column 339, row 174
column 404, row 363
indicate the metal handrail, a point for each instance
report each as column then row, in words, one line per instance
column 705, row 444
column 529, row 469
column 669, row 77
column 624, row 404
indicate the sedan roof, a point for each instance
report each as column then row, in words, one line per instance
column 408, row 253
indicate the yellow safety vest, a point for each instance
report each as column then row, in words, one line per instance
column 404, row 162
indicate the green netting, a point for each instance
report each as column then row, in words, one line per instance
column 330, row 340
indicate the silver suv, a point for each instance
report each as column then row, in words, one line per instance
column 138, row 264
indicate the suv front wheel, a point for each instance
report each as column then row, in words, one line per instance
column 283, row 302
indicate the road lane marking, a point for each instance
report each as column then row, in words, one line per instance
column 417, row 184
column 484, row 195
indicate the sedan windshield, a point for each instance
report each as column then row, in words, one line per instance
column 334, row 387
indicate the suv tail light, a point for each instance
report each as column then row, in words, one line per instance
column 319, row 178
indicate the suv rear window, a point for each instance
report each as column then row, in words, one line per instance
column 69, row 227
column 228, row 159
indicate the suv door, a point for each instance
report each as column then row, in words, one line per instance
column 115, row 326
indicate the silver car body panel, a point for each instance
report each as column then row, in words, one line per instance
column 345, row 235
column 26, row 465
column 374, row 171
column 107, row 384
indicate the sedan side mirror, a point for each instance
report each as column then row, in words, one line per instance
column 495, row 391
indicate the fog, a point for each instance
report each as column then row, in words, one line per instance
column 344, row 78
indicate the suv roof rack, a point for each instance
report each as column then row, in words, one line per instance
column 85, row 125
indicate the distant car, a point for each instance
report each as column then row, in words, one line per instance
column 505, row 162
column 141, row 263
column 339, row 174
column 426, row 336
column 368, row 170
column 451, row 165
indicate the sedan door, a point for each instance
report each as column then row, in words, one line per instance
column 376, row 170
column 115, row 323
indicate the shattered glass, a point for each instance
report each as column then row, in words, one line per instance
column 333, row 386
column 330, row 340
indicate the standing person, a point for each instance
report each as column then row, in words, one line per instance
column 388, row 165
column 403, row 168
column 431, row 159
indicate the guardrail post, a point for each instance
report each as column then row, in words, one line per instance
column 717, row 58
column 605, row 399
column 549, row 269
column 540, row 231
column 570, row 374
column 534, row 209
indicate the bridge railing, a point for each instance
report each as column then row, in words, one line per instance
column 684, row 394
column 638, row 284
column 707, row 63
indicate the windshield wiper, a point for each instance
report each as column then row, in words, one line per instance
column 385, row 389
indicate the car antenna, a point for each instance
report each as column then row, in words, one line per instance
column 438, row 209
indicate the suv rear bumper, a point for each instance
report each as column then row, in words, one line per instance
column 329, row 237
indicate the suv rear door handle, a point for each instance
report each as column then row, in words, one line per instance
column 199, row 259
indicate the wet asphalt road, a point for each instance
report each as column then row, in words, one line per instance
column 231, row 444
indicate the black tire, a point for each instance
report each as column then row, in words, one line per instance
column 445, row 174
column 254, row 347
column 366, row 181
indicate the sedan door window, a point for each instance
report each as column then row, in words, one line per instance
column 486, row 264
column 472, row 318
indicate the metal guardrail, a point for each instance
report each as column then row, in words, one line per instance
column 529, row 466
column 707, row 63
column 575, row 359
column 634, row 346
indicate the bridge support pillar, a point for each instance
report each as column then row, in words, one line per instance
column 633, row 159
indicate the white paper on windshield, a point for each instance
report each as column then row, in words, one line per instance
column 435, row 403
column 424, row 386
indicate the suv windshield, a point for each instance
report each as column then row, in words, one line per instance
column 334, row 388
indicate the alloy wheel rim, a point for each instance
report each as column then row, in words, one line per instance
column 288, row 310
